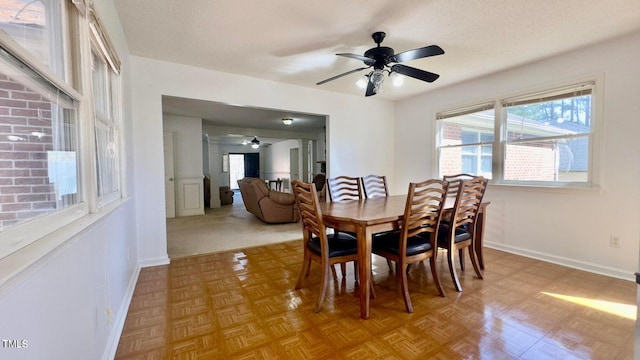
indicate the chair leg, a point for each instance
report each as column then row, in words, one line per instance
column 390, row 265
column 334, row 274
column 436, row 279
column 304, row 272
column 461, row 256
column 452, row 270
column 474, row 262
column 324, row 285
column 402, row 274
column 343, row 269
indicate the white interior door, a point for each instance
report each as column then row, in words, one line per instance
column 169, row 177
column 294, row 164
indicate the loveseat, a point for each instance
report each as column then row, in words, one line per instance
column 270, row 206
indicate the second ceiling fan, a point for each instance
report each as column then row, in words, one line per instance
column 383, row 59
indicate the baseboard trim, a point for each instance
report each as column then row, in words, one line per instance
column 118, row 324
column 163, row 260
column 559, row 260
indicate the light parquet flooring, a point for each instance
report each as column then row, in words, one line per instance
column 242, row 304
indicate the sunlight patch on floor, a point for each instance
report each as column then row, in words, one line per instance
column 623, row 310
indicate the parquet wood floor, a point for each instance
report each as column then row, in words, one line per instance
column 242, row 305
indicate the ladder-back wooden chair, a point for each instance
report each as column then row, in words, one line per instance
column 457, row 233
column 325, row 249
column 416, row 240
column 374, row 186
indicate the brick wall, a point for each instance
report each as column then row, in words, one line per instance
column 25, row 137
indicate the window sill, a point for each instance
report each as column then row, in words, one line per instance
column 548, row 189
column 18, row 266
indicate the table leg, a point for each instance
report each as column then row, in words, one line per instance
column 364, row 269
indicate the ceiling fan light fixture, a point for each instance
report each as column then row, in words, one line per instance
column 287, row 121
column 396, row 79
column 362, row 82
column 255, row 143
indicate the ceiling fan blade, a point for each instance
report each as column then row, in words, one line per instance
column 368, row 61
column 341, row 75
column 419, row 53
column 370, row 89
column 415, row 73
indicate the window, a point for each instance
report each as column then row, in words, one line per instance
column 46, row 144
column 40, row 169
column 466, row 141
column 543, row 138
column 107, row 129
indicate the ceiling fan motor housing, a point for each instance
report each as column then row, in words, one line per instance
column 380, row 54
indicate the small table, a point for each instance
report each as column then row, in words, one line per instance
column 277, row 183
column 370, row 216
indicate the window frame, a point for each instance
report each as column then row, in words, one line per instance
column 48, row 232
column 594, row 81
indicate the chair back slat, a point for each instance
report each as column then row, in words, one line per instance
column 454, row 182
column 309, row 207
column 468, row 199
column 343, row 188
column 423, row 210
column 374, row 186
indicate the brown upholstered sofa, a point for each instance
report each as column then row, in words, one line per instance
column 268, row 205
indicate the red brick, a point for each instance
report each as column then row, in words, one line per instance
column 32, row 198
column 25, row 95
column 12, row 155
column 25, row 112
column 7, row 199
column 13, row 103
column 16, row 207
column 44, row 122
column 13, row 120
column 25, row 146
column 30, row 181
column 14, row 172
column 42, row 189
column 7, row 216
column 44, row 205
column 39, row 105
column 15, row 190
column 29, row 164
column 11, row 85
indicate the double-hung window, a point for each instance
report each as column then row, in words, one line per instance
column 466, row 140
column 105, row 69
column 57, row 162
column 543, row 138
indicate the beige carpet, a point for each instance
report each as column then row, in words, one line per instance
column 227, row 228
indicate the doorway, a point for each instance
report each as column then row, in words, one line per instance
column 241, row 166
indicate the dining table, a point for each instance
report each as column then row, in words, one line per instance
column 366, row 217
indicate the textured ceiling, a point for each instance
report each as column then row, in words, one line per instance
column 295, row 42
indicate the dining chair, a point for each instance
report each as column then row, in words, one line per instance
column 454, row 182
column 457, row 232
column 343, row 188
column 416, row 240
column 325, row 249
column 374, row 186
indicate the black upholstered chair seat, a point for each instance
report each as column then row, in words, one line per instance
column 390, row 242
column 462, row 234
column 340, row 244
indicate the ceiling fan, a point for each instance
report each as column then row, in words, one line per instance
column 382, row 59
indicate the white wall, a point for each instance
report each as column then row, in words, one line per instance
column 569, row 227
column 354, row 148
column 72, row 303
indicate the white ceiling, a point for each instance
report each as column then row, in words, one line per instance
column 295, row 42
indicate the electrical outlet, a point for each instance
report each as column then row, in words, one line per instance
column 614, row 241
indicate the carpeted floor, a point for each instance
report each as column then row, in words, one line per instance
column 227, row 228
